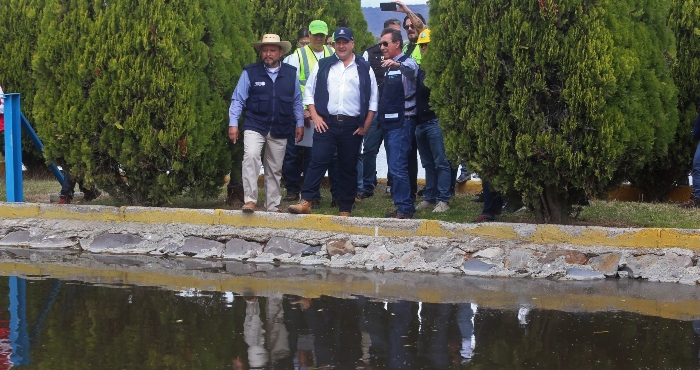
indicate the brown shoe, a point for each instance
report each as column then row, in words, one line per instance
column 344, row 214
column 693, row 202
column 304, row 207
column 249, row 207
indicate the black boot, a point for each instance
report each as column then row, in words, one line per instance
column 234, row 194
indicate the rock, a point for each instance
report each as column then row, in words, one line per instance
column 476, row 267
column 109, row 241
column 195, row 246
column 679, row 260
column 489, row 253
column 433, row 254
column 570, row 256
column 607, row 264
column 341, row 260
column 278, row 246
column 41, row 240
column 339, row 247
column 519, row 259
column 314, row 260
column 240, row 249
column 583, row 275
column 623, row 274
column 310, row 251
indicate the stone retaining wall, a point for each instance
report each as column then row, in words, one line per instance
column 493, row 249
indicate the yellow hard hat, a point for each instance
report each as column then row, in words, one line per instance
column 424, row 37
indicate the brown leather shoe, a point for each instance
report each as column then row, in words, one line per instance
column 249, row 207
column 344, row 214
column 304, row 207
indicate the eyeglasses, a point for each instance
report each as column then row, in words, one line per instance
column 304, row 43
column 406, row 27
column 384, row 44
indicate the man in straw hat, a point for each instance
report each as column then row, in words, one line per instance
column 269, row 92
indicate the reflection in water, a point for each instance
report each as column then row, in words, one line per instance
column 74, row 325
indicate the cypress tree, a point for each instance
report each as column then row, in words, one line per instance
column 19, row 25
column 657, row 178
column 142, row 112
column 553, row 100
column 286, row 17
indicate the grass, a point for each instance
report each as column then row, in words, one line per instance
column 39, row 186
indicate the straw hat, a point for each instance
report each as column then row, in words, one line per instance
column 272, row 39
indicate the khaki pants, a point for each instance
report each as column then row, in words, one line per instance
column 272, row 165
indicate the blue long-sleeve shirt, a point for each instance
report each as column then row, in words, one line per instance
column 240, row 95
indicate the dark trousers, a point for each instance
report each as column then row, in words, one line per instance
column 338, row 137
column 493, row 202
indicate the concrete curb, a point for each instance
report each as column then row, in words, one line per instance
column 581, row 253
column 541, row 234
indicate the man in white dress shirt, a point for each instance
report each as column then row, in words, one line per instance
column 341, row 95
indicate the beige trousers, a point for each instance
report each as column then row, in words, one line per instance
column 253, row 144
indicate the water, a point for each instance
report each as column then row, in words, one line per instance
column 67, row 324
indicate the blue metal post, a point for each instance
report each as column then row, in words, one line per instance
column 19, row 338
column 13, row 149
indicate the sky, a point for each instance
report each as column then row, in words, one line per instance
column 375, row 3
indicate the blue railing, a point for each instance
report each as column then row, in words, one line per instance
column 15, row 123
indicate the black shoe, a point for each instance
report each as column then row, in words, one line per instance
column 421, row 191
column 89, row 195
column 234, row 194
column 479, row 198
column 291, row 197
column 364, row 195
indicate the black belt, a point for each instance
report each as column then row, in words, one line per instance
column 342, row 117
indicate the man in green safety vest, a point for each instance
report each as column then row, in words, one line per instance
column 304, row 59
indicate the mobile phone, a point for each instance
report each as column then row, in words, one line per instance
column 387, row 7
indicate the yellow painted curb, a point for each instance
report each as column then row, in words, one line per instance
column 540, row 234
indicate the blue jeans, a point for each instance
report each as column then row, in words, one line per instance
column 372, row 141
column 338, row 138
column 294, row 166
column 431, row 147
column 696, row 173
column 398, row 143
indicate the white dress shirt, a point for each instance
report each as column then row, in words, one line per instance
column 343, row 89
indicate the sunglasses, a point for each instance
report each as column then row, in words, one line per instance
column 406, row 27
column 384, row 44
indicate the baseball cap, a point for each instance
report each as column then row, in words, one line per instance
column 318, row 26
column 343, row 33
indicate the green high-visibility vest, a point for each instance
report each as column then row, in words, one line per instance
column 307, row 61
column 415, row 54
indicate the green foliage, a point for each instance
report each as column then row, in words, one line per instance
column 19, row 21
column 138, row 103
column 286, row 17
column 553, row 100
column 656, row 178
